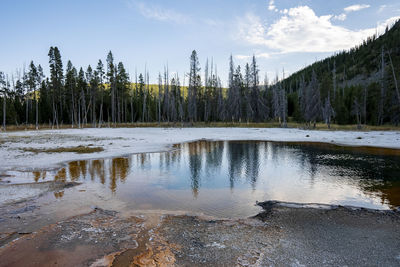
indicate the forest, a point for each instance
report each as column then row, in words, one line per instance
column 358, row 86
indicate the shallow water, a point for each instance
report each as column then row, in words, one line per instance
column 226, row 178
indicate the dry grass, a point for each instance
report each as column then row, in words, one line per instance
column 319, row 126
column 77, row 149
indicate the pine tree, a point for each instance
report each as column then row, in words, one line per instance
column 82, row 109
column 122, row 84
column 33, row 81
column 111, row 72
column 194, row 86
column 71, row 86
column 56, row 82
column 100, row 76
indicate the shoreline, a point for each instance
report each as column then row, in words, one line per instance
column 117, row 142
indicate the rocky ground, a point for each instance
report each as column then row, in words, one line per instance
column 282, row 235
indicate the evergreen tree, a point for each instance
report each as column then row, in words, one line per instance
column 100, row 77
column 33, row 81
column 71, row 89
column 111, row 72
column 194, row 86
column 56, row 83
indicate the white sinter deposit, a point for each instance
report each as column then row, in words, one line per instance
column 125, row 141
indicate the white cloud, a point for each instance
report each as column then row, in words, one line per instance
column 247, row 57
column 251, row 30
column 284, row 11
column 355, row 8
column 340, row 17
column 271, row 5
column 349, row 9
column 301, row 30
column 161, row 14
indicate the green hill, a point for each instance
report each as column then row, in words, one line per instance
column 356, row 77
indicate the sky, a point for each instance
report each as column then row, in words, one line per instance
column 284, row 35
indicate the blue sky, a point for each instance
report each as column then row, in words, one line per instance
column 283, row 34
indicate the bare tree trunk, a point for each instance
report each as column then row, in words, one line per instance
column 37, row 112
column 394, row 78
column 93, row 109
column 382, row 96
column 26, row 111
column 101, row 114
column 4, row 110
column 334, row 80
column 144, row 105
column 54, row 111
column 131, row 110
column 86, row 112
column 83, row 108
column 365, row 105
column 101, row 109
column 118, row 108
column 112, row 103
column 79, row 113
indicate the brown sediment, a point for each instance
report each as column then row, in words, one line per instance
column 152, row 248
column 126, row 257
column 76, row 149
column 157, row 251
column 389, row 193
column 7, row 237
column 77, row 241
column 99, row 238
column 160, row 256
column 371, row 150
column 359, row 149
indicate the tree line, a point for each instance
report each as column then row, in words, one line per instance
column 105, row 95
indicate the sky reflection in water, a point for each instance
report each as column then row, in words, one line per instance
column 226, row 178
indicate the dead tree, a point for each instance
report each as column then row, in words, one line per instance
column 3, row 88
column 356, row 111
column 327, row 111
column 394, row 78
column 382, row 91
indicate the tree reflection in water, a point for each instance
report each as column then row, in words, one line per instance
column 243, row 165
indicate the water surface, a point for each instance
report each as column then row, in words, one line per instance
column 226, row 178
